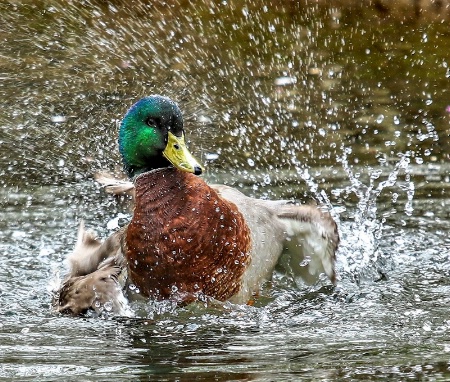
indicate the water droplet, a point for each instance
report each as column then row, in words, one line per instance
column 211, row 156
column 375, row 174
column 251, row 162
column 314, row 71
column 305, row 262
column 58, row 118
column 204, row 119
column 380, row 118
column 285, row 80
column 117, row 222
column 18, row 234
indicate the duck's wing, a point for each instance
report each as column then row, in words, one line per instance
column 114, row 185
column 94, row 281
column 311, row 243
column 306, row 235
column 89, row 252
column 99, row 291
column 267, row 238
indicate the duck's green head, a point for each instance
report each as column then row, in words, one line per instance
column 151, row 136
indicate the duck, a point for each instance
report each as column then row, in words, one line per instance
column 188, row 240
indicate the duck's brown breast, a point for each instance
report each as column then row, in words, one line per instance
column 184, row 241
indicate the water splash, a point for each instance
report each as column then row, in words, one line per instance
column 320, row 195
column 367, row 195
column 359, row 255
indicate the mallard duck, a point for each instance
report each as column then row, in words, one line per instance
column 188, row 240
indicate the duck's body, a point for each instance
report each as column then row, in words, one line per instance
column 195, row 242
column 188, row 240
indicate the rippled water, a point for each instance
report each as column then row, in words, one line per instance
column 284, row 102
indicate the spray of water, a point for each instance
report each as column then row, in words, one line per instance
column 359, row 256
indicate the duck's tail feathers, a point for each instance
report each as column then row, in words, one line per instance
column 311, row 242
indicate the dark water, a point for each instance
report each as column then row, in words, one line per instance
column 282, row 101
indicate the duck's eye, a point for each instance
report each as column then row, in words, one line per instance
column 176, row 146
column 151, row 122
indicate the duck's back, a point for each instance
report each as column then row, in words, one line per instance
column 184, row 240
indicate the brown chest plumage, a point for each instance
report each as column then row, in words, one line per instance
column 184, row 241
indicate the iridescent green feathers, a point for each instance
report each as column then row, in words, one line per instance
column 143, row 133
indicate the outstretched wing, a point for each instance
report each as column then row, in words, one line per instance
column 89, row 252
column 311, row 242
column 94, row 281
column 99, row 291
column 303, row 238
column 114, row 185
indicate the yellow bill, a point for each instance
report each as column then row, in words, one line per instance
column 177, row 153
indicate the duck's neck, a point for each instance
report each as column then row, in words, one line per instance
column 159, row 186
column 133, row 171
